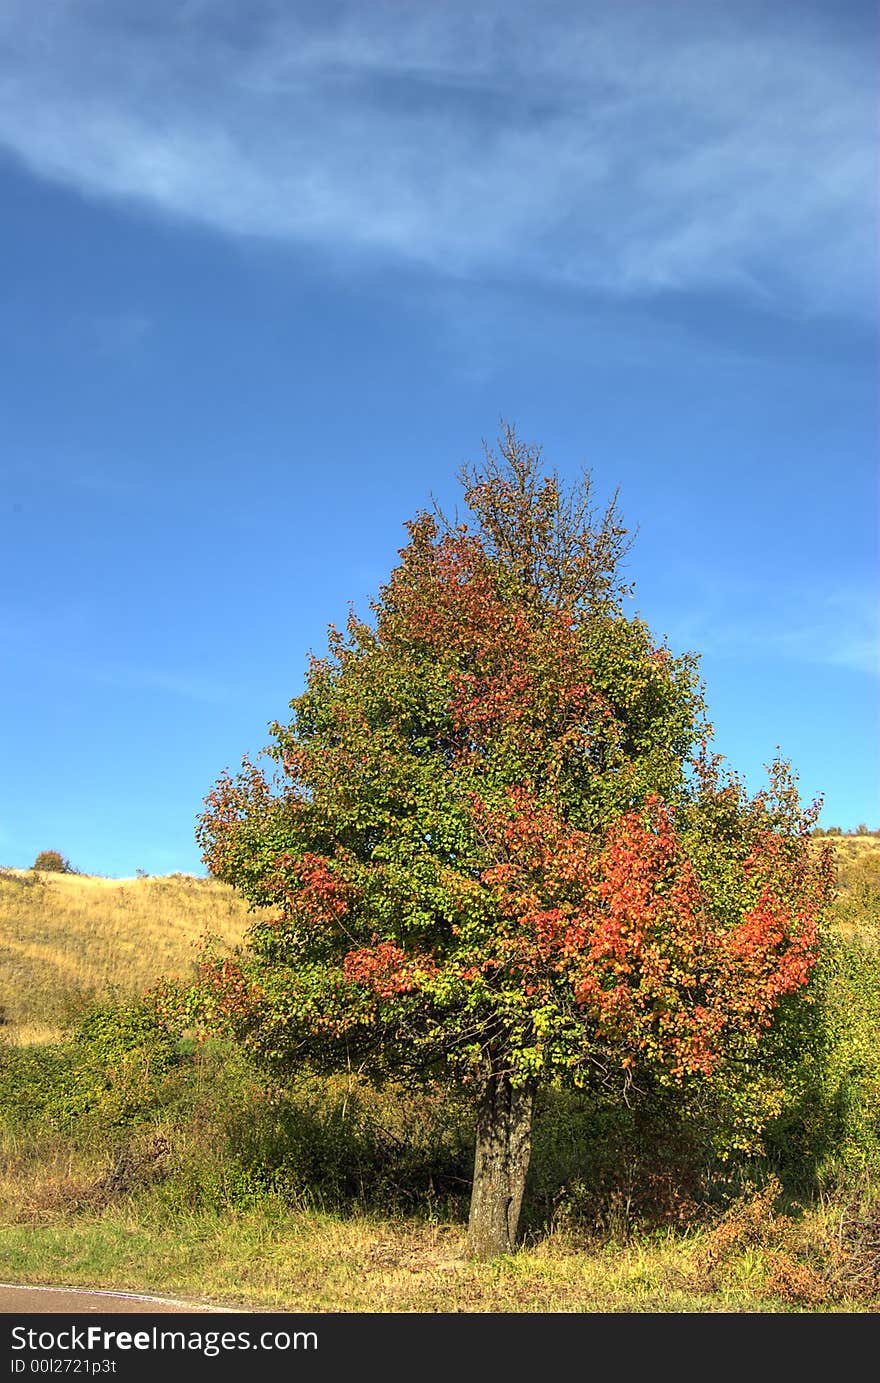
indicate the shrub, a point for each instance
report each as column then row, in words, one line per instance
column 53, row 861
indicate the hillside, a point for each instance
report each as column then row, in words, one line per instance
column 857, row 905
column 68, row 938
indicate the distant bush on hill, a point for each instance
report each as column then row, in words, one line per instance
column 54, row 861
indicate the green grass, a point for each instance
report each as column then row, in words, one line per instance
column 270, row 1258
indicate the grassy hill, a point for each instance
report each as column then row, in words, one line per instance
column 68, row 939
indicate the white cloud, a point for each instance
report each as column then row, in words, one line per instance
column 626, row 149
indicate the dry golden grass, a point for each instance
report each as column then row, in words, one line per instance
column 850, row 848
column 67, row 939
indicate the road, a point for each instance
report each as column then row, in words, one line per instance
column 75, row 1300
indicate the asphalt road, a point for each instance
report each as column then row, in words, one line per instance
column 74, row 1300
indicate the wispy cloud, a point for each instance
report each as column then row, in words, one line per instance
column 628, row 149
column 837, row 628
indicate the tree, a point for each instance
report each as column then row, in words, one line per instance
column 494, row 842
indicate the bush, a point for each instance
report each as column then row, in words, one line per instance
column 826, row 1136
column 229, row 1139
column 111, row 1072
column 53, row 861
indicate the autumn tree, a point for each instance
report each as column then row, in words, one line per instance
column 494, row 843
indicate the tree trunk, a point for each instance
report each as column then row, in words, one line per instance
column 504, row 1142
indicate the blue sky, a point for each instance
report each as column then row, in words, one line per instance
column 273, row 272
